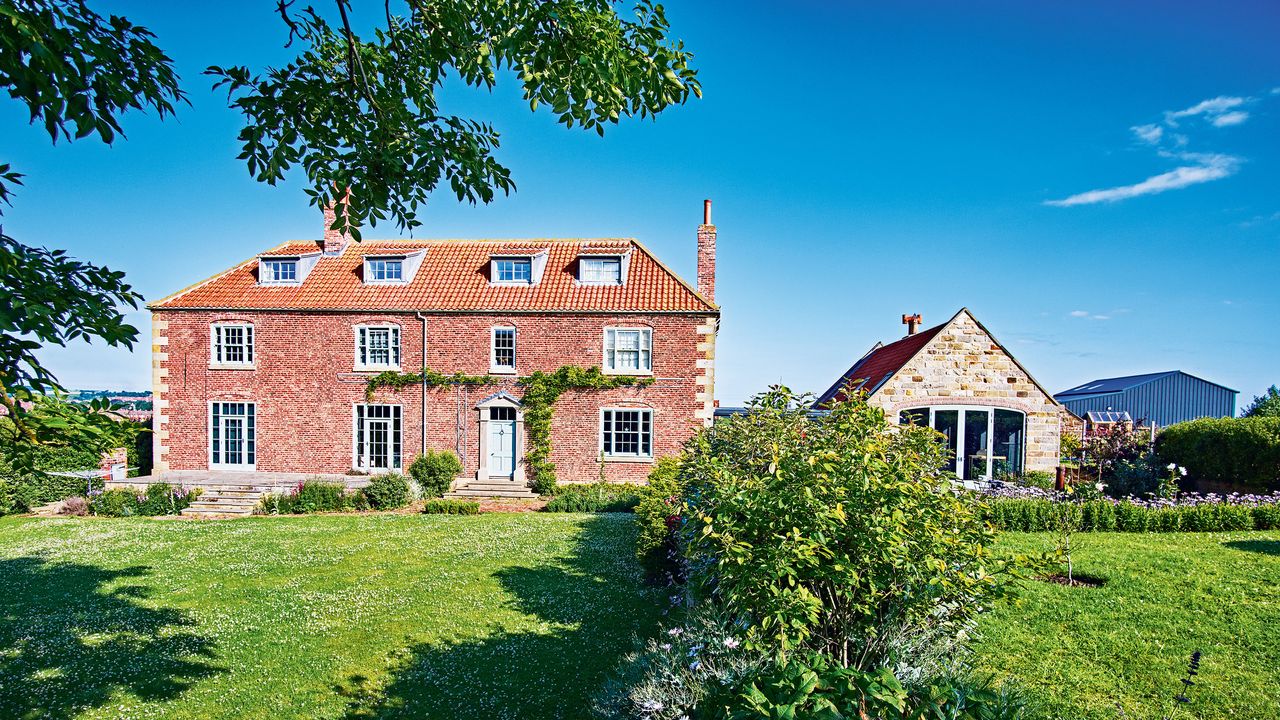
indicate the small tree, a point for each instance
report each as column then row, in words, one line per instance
column 839, row 534
column 1265, row 405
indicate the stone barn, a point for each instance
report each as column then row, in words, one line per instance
column 958, row 379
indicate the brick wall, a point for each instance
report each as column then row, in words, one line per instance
column 963, row 365
column 305, row 385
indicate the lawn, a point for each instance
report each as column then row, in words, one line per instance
column 380, row 616
column 523, row 616
column 1080, row 653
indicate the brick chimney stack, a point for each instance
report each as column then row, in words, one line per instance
column 912, row 322
column 334, row 241
column 707, row 254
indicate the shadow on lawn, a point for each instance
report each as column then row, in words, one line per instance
column 1266, row 547
column 67, row 642
column 595, row 605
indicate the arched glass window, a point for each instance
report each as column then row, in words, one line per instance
column 984, row 442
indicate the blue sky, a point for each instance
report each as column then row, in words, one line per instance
column 1098, row 183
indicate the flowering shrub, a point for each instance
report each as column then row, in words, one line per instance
column 657, row 513
column 312, row 496
column 157, row 499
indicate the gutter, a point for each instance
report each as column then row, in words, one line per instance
column 423, row 429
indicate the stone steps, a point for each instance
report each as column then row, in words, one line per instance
column 473, row 490
column 227, row 500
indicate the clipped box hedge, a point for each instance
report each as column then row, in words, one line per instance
column 1034, row 515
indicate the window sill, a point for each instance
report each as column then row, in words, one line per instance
column 376, row 368
column 232, row 366
column 629, row 373
column 502, row 371
column 627, row 459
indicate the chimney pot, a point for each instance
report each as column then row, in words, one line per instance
column 911, row 321
column 707, row 254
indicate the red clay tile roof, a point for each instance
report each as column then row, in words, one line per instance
column 453, row 277
column 880, row 364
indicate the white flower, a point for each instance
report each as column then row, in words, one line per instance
column 1171, row 466
column 731, row 643
column 651, row 706
column 1182, row 471
column 1099, row 487
column 674, row 631
column 665, row 646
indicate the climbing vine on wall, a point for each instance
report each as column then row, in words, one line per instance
column 541, row 391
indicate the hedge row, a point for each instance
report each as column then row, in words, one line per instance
column 594, row 497
column 1229, row 451
column 1029, row 515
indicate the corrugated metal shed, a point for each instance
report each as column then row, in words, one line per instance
column 1161, row 398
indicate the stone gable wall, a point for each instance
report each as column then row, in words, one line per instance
column 963, row 365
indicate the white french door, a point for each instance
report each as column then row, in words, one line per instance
column 377, row 438
column 232, row 436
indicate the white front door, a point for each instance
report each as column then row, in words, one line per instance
column 502, row 443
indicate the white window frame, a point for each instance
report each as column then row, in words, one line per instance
column 394, row 347
column 369, row 272
column 614, row 456
column 957, row 466
column 582, row 270
column 268, row 263
column 609, row 364
column 251, row 437
column 217, row 345
column 494, row 367
column 527, row 261
column 359, row 461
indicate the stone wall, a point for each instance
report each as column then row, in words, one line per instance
column 963, row 365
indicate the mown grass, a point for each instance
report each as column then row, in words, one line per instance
column 496, row 616
column 1118, row 651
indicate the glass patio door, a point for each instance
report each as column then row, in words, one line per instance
column 232, row 441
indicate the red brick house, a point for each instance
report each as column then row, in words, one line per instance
column 263, row 368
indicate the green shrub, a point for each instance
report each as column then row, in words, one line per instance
column 656, row 513
column 1266, row 517
column 386, row 492
column 277, row 504
column 594, row 497
column 120, row 502
column 451, row 507
column 435, row 472
column 321, row 496
column 1042, row 479
column 1233, row 451
column 822, row 533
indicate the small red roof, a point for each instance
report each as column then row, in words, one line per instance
column 454, row 276
column 869, row 373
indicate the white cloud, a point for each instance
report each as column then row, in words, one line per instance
column 1091, row 316
column 1212, row 108
column 1079, row 313
column 1231, row 118
column 1148, row 133
column 1206, row 169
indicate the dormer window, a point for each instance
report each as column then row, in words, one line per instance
column 600, row 271
column 513, row 270
column 391, row 268
column 385, row 270
column 517, row 266
column 279, row 270
column 285, row 269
